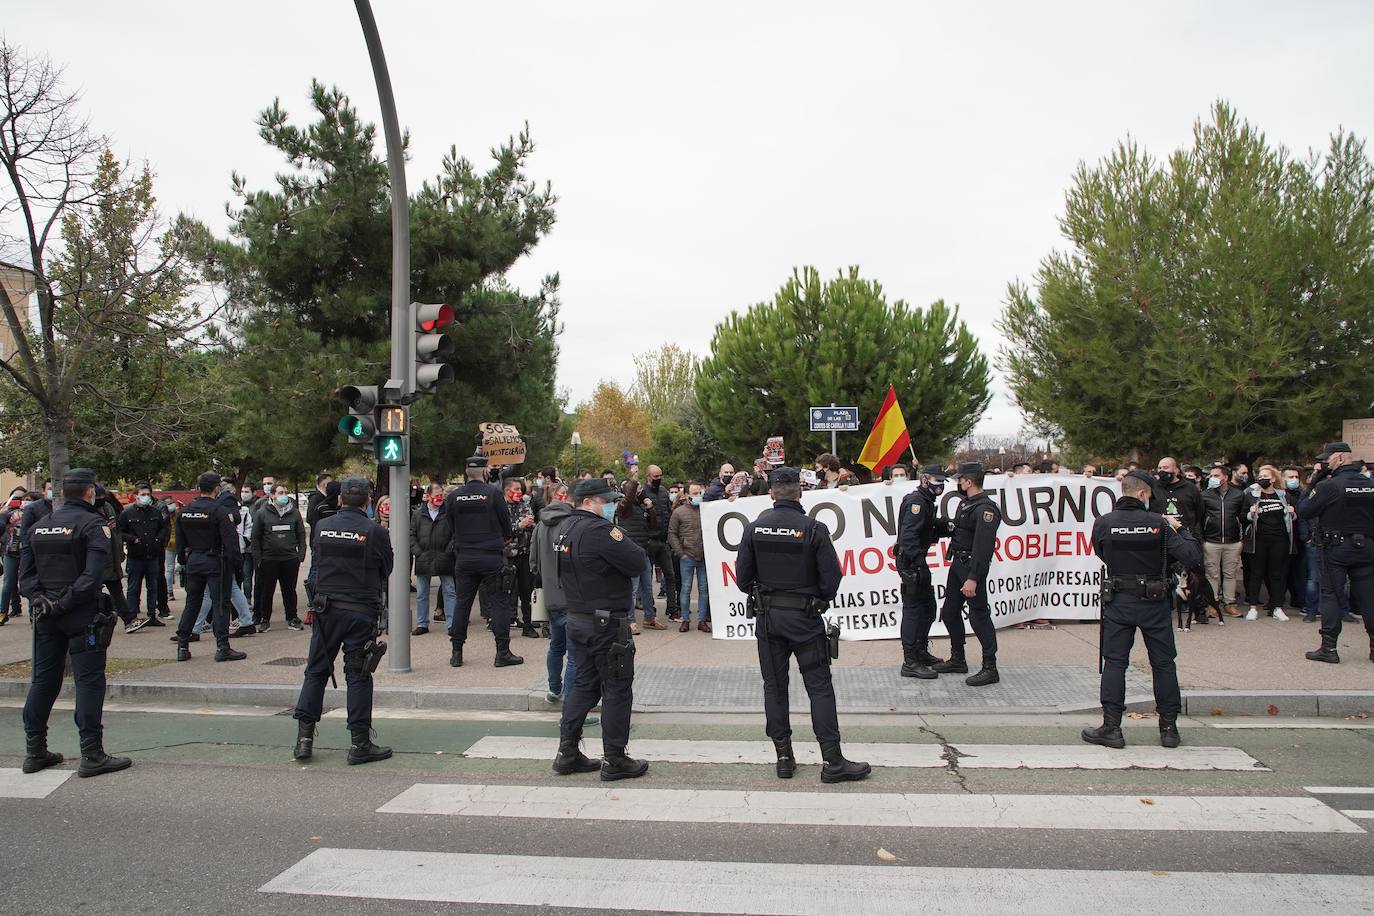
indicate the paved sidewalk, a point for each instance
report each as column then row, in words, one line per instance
column 1042, row 669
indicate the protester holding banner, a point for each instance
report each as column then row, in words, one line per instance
column 973, row 533
column 788, row 566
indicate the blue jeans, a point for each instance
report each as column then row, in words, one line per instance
column 170, row 559
column 236, row 599
column 1312, row 606
column 422, row 584
column 645, row 583
column 142, row 573
column 248, row 575
column 558, row 649
column 688, row 567
column 9, row 592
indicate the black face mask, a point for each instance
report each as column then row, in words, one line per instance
column 1266, row 483
column 655, row 483
column 1165, row 476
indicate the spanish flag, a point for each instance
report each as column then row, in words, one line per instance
column 889, row 438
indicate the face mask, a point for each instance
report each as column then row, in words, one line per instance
column 47, row 494
column 283, row 500
column 1266, row 483
column 655, row 482
column 696, row 500
column 436, row 501
column 1213, row 483
column 145, row 500
column 899, row 478
column 513, row 496
column 608, row 512
column 1292, row 483
column 1165, row 476
column 246, row 495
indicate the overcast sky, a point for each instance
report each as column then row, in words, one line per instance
column 701, row 151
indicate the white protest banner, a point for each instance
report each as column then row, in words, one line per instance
column 1043, row 567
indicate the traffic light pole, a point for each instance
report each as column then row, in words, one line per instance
column 402, row 342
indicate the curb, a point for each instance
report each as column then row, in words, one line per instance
column 1196, row 703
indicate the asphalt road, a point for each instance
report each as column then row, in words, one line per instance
column 214, row 808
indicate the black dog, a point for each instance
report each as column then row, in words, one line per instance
column 1192, row 595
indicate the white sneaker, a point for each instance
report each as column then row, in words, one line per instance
column 1279, row 615
column 1252, row 614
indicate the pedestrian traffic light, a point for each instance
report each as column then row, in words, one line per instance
column 390, row 448
column 391, row 444
column 361, row 423
column 431, row 346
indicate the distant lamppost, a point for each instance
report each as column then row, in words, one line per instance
column 577, row 445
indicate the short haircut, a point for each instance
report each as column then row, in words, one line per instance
column 1131, row 486
column 143, row 486
column 606, row 471
column 975, row 479
column 828, row 461
column 278, row 486
column 353, row 499
column 549, row 472
column 75, row 490
column 434, row 486
column 321, row 478
column 697, row 483
column 790, row 490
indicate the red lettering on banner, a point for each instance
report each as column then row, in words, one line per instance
column 1085, row 543
column 847, row 563
column 874, row 554
column 892, row 558
column 727, row 574
column 1012, row 548
column 1063, row 543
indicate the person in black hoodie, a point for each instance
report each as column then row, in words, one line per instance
column 431, row 544
column 658, row 498
column 638, row 519
column 1222, row 509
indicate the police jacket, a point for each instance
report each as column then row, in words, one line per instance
column 663, row 509
column 1135, row 542
column 1343, row 503
column 66, row 555
column 1221, row 514
column 109, row 509
column 916, row 530
column 477, row 511
column 785, row 550
column 206, row 537
column 973, row 532
column 595, row 563
column 144, row 529
column 1179, row 497
column 277, row 534
column 350, row 558
column 431, row 542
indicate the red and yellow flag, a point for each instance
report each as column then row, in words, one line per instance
column 889, row 439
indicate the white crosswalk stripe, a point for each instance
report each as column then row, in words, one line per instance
column 876, row 809
column 14, row 783
column 971, row 756
column 662, row 886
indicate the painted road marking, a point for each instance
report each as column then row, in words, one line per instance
column 1264, row 814
column 1359, row 814
column 971, row 756
column 660, row 886
column 1339, row 790
column 15, row 784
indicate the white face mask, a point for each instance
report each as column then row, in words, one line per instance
column 899, row 478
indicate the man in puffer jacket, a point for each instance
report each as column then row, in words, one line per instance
column 431, row 544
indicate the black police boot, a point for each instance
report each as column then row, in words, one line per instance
column 571, row 760
column 227, row 653
column 183, row 650
column 95, row 761
column 923, row 654
column 305, row 740
column 1108, row 734
column 955, row 665
column 837, row 769
column 1168, row 730
column 787, row 761
column 529, row 631
column 504, row 656
column 364, row 751
column 986, row 675
column 618, row 766
column 455, row 658
column 38, row 756
column 1327, row 653
column 912, row 666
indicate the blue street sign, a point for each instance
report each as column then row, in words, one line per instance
column 834, row 419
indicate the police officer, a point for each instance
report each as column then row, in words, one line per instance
column 207, row 546
column 1138, row 546
column 1342, row 500
column 788, row 565
column 595, row 563
column 916, row 534
column 481, row 526
column 973, row 533
column 350, row 560
column 61, row 572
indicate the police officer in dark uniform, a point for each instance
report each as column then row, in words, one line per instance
column 61, row 571
column 208, row 546
column 1342, row 500
column 1138, row 546
column 973, row 533
column 350, row 560
column 481, row 526
column 595, row 563
column 788, row 566
column 916, row 534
